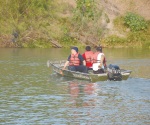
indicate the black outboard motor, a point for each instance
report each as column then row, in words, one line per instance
column 114, row 73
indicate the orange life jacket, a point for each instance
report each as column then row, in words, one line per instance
column 97, row 61
column 88, row 56
column 74, row 60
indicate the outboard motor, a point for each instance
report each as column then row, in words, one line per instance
column 114, row 73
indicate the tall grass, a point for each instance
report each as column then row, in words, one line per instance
column 31, row 20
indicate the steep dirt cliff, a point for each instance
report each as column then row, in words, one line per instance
column 119, row 7
column 110, row 9
column 114, row 8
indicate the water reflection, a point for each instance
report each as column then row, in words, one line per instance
column 108, row 102
column 81, row 94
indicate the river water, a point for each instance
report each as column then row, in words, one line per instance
column 31, row 94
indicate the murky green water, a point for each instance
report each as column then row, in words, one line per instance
column 31, row 95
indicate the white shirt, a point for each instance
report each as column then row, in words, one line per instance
column 96, row 65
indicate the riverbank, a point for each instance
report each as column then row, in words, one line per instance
column 65, row 23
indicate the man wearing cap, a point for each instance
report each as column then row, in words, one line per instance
column 98, row 61
column 75, row 61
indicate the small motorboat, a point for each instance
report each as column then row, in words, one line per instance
column 113, row 72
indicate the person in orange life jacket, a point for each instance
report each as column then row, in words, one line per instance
column 88, row 55
column 75, row 61
column 98, row 61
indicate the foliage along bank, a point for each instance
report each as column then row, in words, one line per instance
column 134, row 29
column 47, row 23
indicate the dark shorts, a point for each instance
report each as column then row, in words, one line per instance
column 79, row 68
column 89, row 68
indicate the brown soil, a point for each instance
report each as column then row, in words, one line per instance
column 114, row 8
column 119, row 7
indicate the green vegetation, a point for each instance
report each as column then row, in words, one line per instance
column 29, row 21
column 114, row 40
column 87, row 22
column 85, row 8
column 49, row 23
column 135, row 22
column 136, row 33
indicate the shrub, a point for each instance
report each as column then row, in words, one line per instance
column 86, row 8
column 113, row 40
column 135, row 22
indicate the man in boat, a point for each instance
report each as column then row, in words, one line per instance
column 88, row 56
column 99, row 61
column 75, row 61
